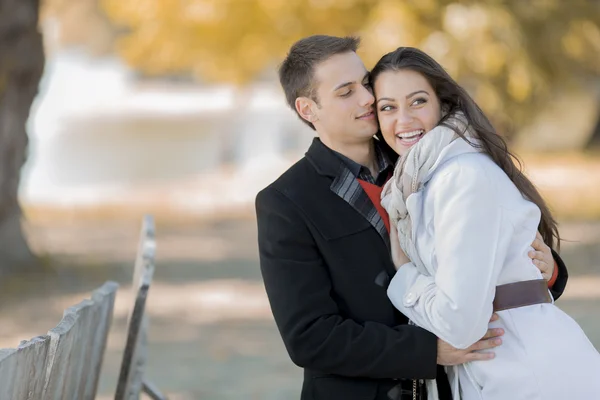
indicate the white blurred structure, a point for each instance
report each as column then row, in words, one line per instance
column 99, row 136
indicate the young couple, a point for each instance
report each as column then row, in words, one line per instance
column 389, row 277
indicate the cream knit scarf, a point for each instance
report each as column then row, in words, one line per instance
column 410, row 175
column 412, row 172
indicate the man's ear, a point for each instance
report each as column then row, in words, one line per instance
column 306, row 108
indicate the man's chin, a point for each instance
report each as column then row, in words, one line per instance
column 369, row 133
column 367, row 130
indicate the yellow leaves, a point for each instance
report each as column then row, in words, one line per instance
column 440, row 46
column 489, row 59
column 582, row 43
column 463, row 21
column 482, row 43
column 573, row 45
column 252, row 47
column 274, row 6
column 225, row 40
column 201, row 12
column 319, row 5
column 426, row 6
column 132, row 13
column 487, row 95
column 519, row 82
column 391, row 24
column 485, row 34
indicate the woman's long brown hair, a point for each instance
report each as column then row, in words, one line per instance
column 454, row 98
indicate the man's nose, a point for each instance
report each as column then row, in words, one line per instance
column 367, row 99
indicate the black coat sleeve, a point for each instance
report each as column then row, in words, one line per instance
column 563, row 275
column 315, row 335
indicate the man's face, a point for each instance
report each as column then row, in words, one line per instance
column 345, row 113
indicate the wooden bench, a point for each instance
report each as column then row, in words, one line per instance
column 131, row 381
column 65, row 364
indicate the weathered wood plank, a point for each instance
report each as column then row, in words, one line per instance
column 104, row 300
column 8, row 369
column 68, row 351
column 66, row 363
column 152, row 391
column 130, row 381
column 23, row 370
column 31, row 368
column 77, row 347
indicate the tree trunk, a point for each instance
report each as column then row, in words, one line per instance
column 594, row 142
column 546, row 130
column 21, row 66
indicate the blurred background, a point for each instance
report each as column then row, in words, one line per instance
column 173, row 108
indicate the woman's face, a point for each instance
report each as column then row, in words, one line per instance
column 407, row 108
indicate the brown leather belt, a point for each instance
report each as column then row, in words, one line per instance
column 521, row 294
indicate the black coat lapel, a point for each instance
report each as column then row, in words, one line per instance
column 346, row 186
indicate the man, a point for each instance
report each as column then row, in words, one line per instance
column 324, row 245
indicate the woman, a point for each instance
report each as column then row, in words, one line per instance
column 466, row 216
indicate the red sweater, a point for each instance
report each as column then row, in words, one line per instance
column 374, row 193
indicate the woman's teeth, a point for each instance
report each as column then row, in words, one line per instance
column 410, row 135
column 410, row 138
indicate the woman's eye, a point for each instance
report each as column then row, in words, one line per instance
column 419, row 101
column 348, row 93
column 385, row 108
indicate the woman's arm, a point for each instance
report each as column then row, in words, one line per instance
column 471, row 237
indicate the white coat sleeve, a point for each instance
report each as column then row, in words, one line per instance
column 471, row 237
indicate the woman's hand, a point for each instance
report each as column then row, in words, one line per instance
column 542, row 257
column 398, row 256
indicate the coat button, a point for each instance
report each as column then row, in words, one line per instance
column 410, row 298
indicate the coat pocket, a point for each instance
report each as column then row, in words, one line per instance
column 337, row 388
column 343, row 228
column 471, row 381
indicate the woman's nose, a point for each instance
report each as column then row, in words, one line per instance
column 403, row 117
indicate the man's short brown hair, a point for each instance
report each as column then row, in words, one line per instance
column 296, row 73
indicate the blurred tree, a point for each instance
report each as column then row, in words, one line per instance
column 519, row 60
column 21, row 66
column 509, row 54
column 80, row 23
column 224, row 40
column 513, row 56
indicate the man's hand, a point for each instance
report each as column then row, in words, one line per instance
column 448, row 355
column 542, row 257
